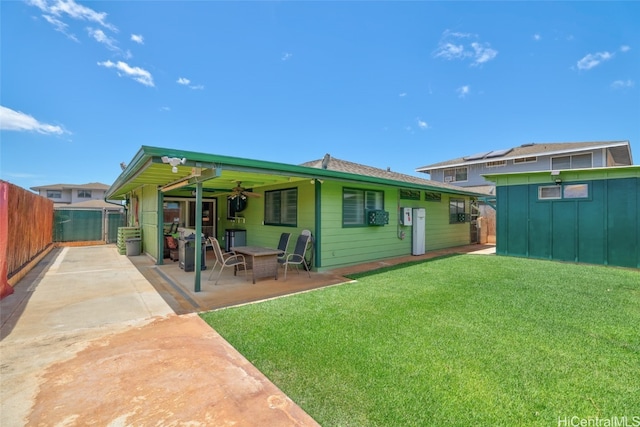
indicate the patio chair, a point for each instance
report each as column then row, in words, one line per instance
column 230, row 259
column 297, row 257
column 283, row 244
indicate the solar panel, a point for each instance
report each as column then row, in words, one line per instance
column 476, row 156
column 498, row 153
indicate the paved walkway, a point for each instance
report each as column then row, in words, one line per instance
column 86, row 339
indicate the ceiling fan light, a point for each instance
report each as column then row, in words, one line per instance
column 174, row 169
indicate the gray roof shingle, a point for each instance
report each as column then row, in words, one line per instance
column 359, row 169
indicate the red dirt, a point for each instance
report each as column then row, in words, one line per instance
column 173, row 371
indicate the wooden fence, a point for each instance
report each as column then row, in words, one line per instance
column 26, row 230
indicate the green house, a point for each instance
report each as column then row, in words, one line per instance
column 578, row 215
column 352, row 210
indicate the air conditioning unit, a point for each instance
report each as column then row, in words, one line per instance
column 448, row 179
column 377, row 217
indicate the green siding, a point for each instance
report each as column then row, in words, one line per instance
column 623, row 222
column 337, row 246
column 353, row 245
column 539, row 232
column 563, row 230
column 601, row 229
column 592, row 226
column 513, row 212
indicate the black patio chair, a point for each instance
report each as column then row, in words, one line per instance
column 283, row 245
column 297, row 257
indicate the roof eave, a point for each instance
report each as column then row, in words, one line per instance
column 149, row 155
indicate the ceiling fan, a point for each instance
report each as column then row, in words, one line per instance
column 239, row 191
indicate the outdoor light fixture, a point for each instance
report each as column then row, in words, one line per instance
column 556, row 177
column 174, row 162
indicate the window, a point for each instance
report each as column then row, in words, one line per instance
column 432, row 196
column 84, row 194
column 356, row 203
column 456, row 211
column 565, row 191
column 496, row 164
column 525, row 160
column 281, row 207
column 54, row 194
column 578, row 161
column 455, row 174
column 575, row 191
column 550, row 192
column 409, row 194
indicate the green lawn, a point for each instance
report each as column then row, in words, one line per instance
column 462, row 340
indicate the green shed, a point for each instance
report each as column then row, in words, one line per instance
column 578, row 215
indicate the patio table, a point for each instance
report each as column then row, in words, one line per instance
column 263, row 262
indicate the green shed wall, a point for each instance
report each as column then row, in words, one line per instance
column 601, row 229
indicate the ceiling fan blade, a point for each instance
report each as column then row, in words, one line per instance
column 251, row 194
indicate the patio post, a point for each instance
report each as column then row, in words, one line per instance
column 198, row 240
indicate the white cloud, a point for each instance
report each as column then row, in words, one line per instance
column 403, row 94
column 422, row 124
column 593, row 59
column 70, row 8
column 621, row 84
column 286, row 56
column 537, row 37
column 104, row 39
column 60, row 26
column 18, row 121
column 137, row 38
column 453, row 45
column 483, row 53
column 186, row 82
column 136, row 73
column 451, row 51
column 625, row 48
column 463, row 91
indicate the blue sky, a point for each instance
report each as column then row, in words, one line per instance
column 387, row 84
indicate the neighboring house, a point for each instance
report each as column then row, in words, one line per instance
column 352, row 210
column 582, row 215
column 469, row 171
column 81, row 213
column 71, row 194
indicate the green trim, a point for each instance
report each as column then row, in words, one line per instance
column 318, row 225
column 198, row 240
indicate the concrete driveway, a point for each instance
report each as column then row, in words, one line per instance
column 86, row 339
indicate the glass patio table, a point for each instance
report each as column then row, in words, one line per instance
column 263, row 262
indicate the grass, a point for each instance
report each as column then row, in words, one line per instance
column 463, row 340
